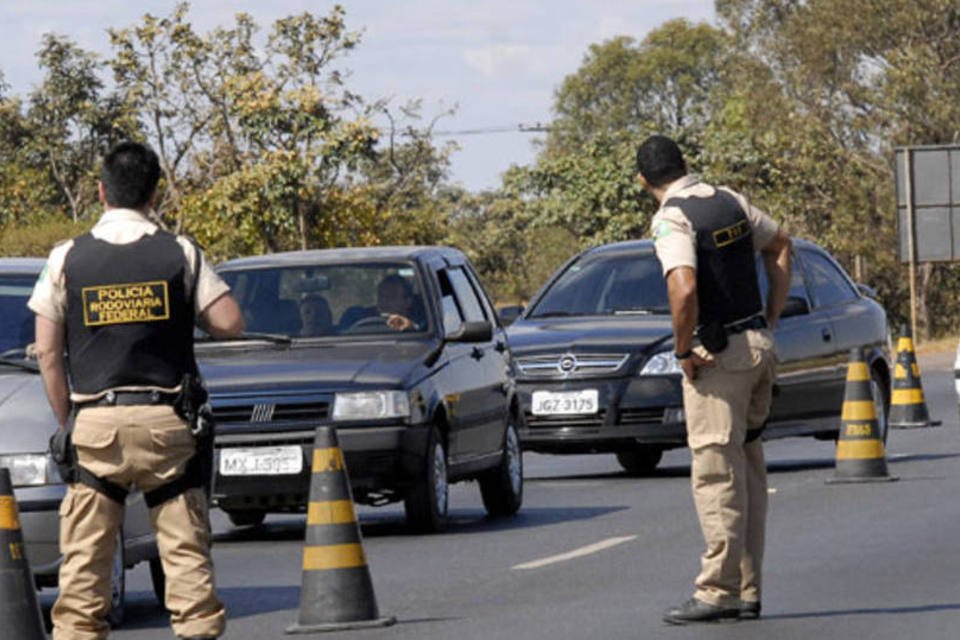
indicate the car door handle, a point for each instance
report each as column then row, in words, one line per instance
column 827, row 336
column 476, row 353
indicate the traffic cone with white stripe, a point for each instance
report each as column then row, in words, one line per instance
column 19, row 609
column 908, row 410
column 337, row 592
column 860, row 452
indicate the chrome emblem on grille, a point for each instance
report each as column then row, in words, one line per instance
column 567, row 363
column 262, row 412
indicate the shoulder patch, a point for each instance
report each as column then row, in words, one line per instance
column 661, row 230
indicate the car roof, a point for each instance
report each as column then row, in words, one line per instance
column 342, row 254
column 31, row 266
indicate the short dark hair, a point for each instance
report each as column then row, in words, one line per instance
column 130, row 174
column 660, row 160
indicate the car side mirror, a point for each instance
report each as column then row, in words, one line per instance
column 509, row 313
column 867, row 290
column 795, row 306
column 481, row 331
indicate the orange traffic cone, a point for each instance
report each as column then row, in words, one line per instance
column 907, row 407
column 19, row 609
column 337, row 592
column 860, row 451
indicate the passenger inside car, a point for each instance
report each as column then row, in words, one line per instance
column 315, row 316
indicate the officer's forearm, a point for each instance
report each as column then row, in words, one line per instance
column 50, row 344
column 682, row 292
column 776, row 261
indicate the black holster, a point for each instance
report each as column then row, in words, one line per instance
column 63, row 453
column 713, row 337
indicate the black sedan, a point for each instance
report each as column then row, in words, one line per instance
column 595, row 369
column 399, row 348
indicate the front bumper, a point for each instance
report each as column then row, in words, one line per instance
column 644, row 410
column 381, row 462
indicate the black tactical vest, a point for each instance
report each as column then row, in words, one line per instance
column 129, row 317
column 727, row 286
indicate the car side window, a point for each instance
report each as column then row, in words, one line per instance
column 452, row 317
column 466, row 296
column 828, row 284
column 798, row 289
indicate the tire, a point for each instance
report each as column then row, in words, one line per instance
column 640, row 462
column 247, row 518
column 427, row 502
column 502, row 488
column 159, row 580
column 881, row 401
column 118, row 594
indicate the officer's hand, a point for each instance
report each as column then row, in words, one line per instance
column 694, row 362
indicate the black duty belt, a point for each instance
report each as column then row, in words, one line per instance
column 756, row 322
column 117, row 398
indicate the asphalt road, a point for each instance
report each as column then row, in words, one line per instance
column 865, row 561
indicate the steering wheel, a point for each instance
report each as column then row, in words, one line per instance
column 370, row 323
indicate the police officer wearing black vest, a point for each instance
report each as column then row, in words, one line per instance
column 707, row 240
column 121, row 302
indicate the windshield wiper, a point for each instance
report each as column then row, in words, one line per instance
column 276, row 338
column 641, row 311
column 20, row 363
column 552, row 314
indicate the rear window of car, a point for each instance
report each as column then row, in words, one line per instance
column 611, row 284
column 16, row 319
column 329, row 300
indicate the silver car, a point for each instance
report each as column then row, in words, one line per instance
column 26, row 424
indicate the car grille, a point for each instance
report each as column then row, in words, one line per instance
column 565, row 365
column 585, row 423
column 641, row 416
column 270, row 412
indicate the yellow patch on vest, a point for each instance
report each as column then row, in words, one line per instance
column 729, row 235
column 123, row 303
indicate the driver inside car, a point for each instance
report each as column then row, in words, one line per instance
column 395, row 302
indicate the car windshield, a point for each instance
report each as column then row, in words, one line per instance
column 16, row 319
column 606, row 284
column 322, row 301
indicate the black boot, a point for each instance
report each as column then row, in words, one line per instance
column 694, row 610
column 749, row 610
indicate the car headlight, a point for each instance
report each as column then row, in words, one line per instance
column 30, row 469
column 661, row 364
column 371, row 405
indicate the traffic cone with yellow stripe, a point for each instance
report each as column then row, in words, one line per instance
column 337, row 592
column 908, row 410
column 860, row 452
column 19, row 609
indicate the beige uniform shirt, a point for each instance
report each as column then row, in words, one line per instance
column 674, row 237
column 119, row 226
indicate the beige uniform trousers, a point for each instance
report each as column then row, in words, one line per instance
column 729, row 476
column 146, row 447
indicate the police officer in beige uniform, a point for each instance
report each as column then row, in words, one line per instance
column 706, row 239
column 122, row 302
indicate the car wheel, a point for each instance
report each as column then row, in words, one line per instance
column 118, row 593
column 426, row 502
column 247, row 518
column 502, row 488
column 640, row 462
column 881, row 403
column 159, row 580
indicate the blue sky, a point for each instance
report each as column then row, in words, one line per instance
column 497, row 61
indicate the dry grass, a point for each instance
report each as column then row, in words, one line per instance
column 943, row 345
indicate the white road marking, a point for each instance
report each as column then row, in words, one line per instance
column 576, row 553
